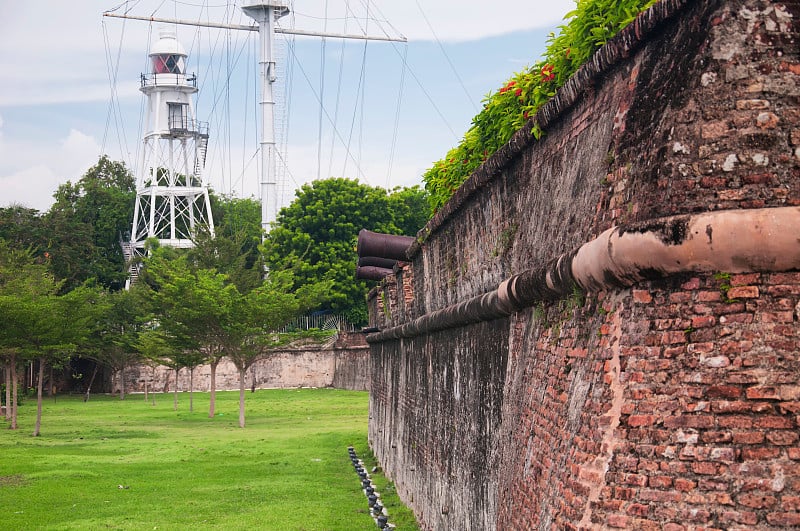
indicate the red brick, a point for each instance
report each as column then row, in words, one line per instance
column 790, row 503
column 757, row 501
column 680, row 297
column 736, row 318
column 784, row 519
column 745, row 279
column 759, row 454
column 660, row 496
column 659, row 482
column 763, row 393
column 712, row 436
column 739, row 422
column 617, row 520
column 709, row 296
column 703, row 321
column 689, row 421
column 775, row 422
column 790, row 392
column 673, row 338
column 743, row 292
column 696, row 515
column 641, row 420
column 784, row 278
column 684, row 485
column 723, row 391
column 705, row 468
column 739, row 517
column 748, row 437
column 783, row 437
column 642, row 296
column 637, row 509
column 634, row 479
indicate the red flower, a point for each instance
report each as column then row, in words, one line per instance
column 508, row 87
column 566, row 53
column 518, row 92
column 547, row 73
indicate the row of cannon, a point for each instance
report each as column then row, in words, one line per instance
column 378, row 253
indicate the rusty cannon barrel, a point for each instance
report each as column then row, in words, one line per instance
column 372, row 272
column 386, row 263
column 383, row 245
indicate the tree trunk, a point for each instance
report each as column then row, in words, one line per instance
column 122, row 382
column 51, row 387
column 241, row 397
column 153, row 379
column 39, row 389
column 91, row 381
column 14, row 391
column 191, row 389
column 213, row 391
column 8, row 388
column 175, row 398
column 145, row 389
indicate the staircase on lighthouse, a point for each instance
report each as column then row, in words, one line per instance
column 172, row 200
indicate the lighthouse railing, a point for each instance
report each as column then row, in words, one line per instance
column 168, row 80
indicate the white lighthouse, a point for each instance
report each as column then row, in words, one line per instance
column 171, row 192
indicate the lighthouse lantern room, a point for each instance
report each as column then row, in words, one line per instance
column 172, row 200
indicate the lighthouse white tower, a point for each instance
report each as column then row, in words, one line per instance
column 171, row 192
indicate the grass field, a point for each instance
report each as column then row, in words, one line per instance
column 112, row 464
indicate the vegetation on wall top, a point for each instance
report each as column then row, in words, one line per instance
column 590, row 25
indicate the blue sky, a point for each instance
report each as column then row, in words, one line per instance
column 57, row 112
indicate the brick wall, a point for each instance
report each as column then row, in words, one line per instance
column 343, row 365
column 670, row 405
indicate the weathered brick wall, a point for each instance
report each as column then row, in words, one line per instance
column 343, row 365
column 670, row 405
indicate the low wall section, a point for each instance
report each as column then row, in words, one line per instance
column 667, row 401
column 343, row 365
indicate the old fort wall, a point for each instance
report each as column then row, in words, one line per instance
column 669, row 402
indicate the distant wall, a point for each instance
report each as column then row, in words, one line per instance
column 343, row 365
column 670, row 404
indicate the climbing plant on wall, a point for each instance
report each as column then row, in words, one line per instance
column 590, row 25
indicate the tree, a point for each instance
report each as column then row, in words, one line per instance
column 116, row 338
column 316, row 235
column 38, row 323
column 23, row 228
column 190, row 307
column 87, row 223
column 258, row 316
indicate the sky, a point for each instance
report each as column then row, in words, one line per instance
column 375, row 111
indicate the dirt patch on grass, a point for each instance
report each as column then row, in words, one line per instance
column 17, row 480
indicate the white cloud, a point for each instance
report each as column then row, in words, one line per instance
column 31, row 173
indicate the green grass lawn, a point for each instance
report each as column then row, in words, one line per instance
column 112, row 464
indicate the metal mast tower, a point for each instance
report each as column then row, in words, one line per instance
column 171, row 193
column 265, row 13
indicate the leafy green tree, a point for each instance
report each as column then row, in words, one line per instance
column 316, row 235
column 410, row 209
column 116, row 338
column 188, row 305
column 38, row 323
column 202, row 316
column 87, row 223
column 23, row 228
column 257, row 317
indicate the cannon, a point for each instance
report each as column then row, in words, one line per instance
column 378, row 253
